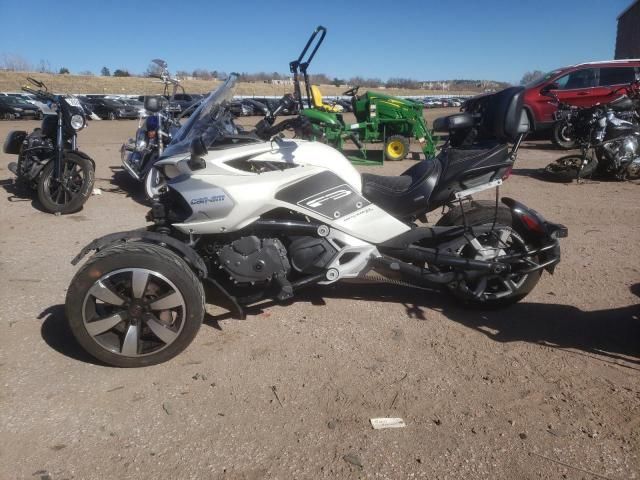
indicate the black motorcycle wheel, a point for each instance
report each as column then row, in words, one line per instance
column 68, row 194
column 566, row 169
column 494, row 291
column 135, row 304
column 561, row 137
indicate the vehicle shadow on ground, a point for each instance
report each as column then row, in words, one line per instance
column 611, row 333
column 56, row 333
column 19, row 192
column 123, row 184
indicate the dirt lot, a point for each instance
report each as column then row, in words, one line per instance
column 549, row 388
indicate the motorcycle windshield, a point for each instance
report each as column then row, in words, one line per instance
column 209, row 121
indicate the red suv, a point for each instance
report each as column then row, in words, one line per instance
column 582, row 85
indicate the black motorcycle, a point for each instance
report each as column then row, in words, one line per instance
column 48, row 159
column 608, row 137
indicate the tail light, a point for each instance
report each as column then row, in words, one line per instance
column 532, row 223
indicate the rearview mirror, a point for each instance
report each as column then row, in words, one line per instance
column 198, row 150
column 547, row 88
column 198, row 147
column 161, row 63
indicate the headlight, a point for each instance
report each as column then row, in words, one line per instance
column 77, row 122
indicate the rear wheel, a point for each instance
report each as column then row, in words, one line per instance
column 566, row 169
column 396, row 147
column 68, row 193
column 134, row 305
column 561, row 136
column 496, row 290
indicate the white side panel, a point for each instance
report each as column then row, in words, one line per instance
column 226, row 199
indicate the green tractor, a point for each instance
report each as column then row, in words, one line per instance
column 380, row 118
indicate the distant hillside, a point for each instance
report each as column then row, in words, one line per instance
column 12, row 81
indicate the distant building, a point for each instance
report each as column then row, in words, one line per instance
column 628, row 37
column 283, row 81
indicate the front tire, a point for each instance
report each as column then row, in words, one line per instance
column 135, row 304
column 495, row 291
column 396, row 148
column 68, row 194
column 561, row 136
column 153, row 180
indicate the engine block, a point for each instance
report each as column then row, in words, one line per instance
column 252, row 259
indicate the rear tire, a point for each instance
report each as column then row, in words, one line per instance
column 565, row 169
column 396, row 148
column 70, row 195
column 560, row 138
column 482, row 213
column 125, row 326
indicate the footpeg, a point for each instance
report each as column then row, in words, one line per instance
column 13, row 168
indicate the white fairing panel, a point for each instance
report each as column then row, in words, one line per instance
column 315, row 180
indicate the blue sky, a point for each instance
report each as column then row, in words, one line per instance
column 491, row 39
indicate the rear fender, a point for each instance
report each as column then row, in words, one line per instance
column 531, row 222
column 538, row 231
column 192, row 258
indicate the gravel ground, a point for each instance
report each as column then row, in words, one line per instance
column 549, row 388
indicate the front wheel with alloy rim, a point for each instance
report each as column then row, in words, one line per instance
column 135, row 304
column 396, row 147
column 69, row 192
column 493, row 290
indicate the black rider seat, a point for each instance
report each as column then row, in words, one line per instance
column 403, row 195
column 621, row 104
column 492, row 121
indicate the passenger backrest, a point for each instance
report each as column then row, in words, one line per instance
column 500, row 114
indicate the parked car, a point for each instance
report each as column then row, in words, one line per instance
column 87, row 107
column 247, row 107
column 12, row 107
column 29, row 97
column 582, row 85
column 107, row 108
column 138, row 105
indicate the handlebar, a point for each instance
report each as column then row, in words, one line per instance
column 40, row 93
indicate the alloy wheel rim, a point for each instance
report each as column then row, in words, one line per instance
column 134, row 312
column 496, row 286
column 62, row 191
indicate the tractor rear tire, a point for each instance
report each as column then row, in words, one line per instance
column 396, row 148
